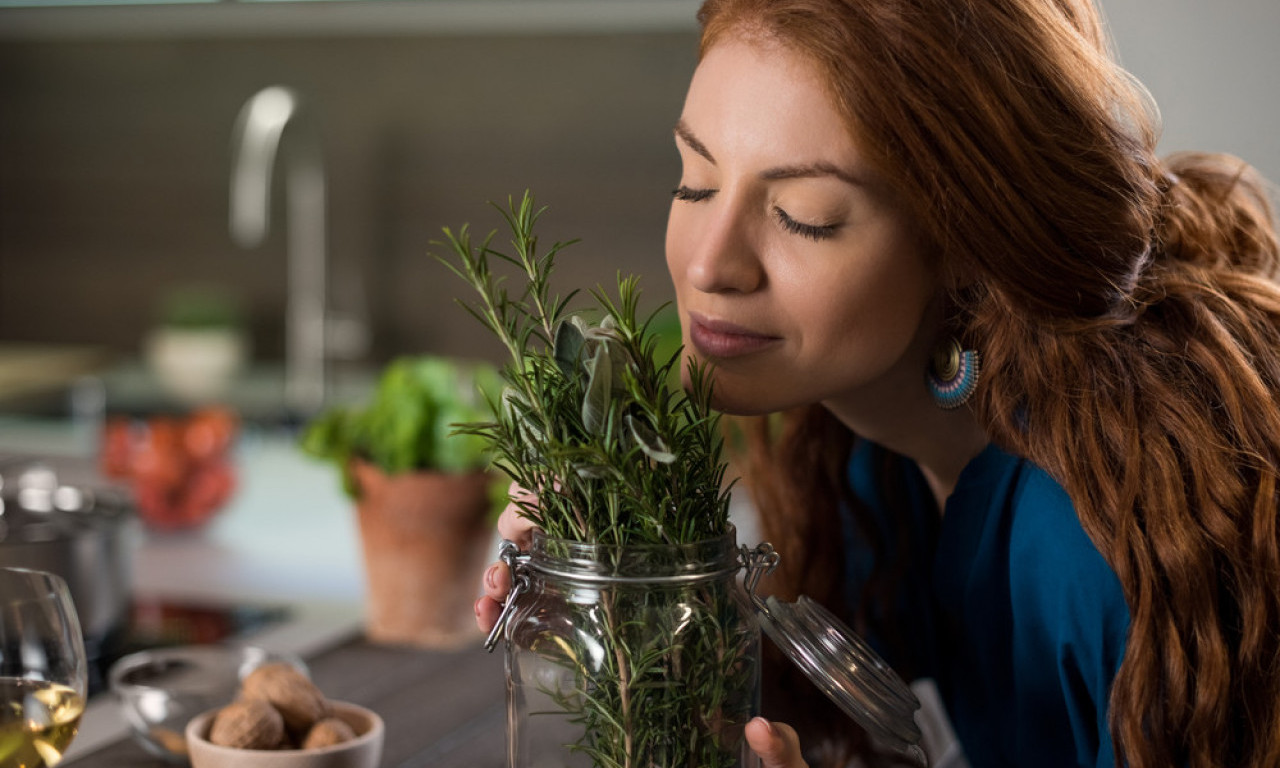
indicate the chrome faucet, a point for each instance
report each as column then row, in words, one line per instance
column 256, row 142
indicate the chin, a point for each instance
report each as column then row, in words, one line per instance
column 737, row 398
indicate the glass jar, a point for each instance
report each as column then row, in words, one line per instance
column 643, row 656
column 631, row 656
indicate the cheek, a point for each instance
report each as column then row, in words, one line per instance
column 862, row 322
column 676, row 238
column 675, row 245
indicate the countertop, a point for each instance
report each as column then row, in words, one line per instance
column 287, row 534
column 287, row 537
column 443, row 709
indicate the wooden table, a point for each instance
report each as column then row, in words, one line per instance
column 442, row 709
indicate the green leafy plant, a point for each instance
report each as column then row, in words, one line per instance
column 588, row 416
column 409, row 424
column 200, row 307
column 618, row 457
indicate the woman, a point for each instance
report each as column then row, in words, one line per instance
column 1030, row 442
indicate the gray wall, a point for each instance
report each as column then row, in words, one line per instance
column 114, row 161
column 114, row 156
column 1213, row 68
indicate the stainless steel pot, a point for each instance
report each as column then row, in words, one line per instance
column 76, row 528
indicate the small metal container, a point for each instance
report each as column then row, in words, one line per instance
column 75, row 529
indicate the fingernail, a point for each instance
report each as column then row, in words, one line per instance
column 773, row 732
column 491, row 576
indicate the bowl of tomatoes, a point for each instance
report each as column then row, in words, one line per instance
column 179, row 467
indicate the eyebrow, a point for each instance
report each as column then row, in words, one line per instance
column 804, row 171
column 812, row 170
column 686, row 135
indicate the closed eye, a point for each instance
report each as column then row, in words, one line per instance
column 811, row 231
column 690, row 195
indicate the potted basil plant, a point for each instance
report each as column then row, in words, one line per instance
column 424, row 495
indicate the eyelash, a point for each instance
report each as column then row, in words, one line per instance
column 688, row 195
column 811, row 231
column 814, row 232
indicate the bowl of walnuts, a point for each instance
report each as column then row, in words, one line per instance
column 282, row 720
column 160, row 690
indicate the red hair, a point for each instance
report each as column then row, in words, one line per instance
column 1128, row 318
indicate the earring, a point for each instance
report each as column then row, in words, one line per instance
column 953, row 374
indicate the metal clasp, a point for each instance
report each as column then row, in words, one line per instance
column 510, row 554
column 759, row 562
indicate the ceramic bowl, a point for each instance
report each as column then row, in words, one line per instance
column 160, row 690
column 364, row 751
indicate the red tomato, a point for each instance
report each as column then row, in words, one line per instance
column 209, row 432
column 177, row 467
column 160, row 459
column 116, row 458
column 209, row 487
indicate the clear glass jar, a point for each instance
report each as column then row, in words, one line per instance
column 622, row 657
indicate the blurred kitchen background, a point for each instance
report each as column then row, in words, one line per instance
column 116, row 127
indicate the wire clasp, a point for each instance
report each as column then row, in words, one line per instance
column 510, row 554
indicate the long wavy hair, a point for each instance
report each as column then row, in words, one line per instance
column 1129, row 322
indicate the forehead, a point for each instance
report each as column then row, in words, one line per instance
column 755, row 95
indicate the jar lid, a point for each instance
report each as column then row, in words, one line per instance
column 847, row 670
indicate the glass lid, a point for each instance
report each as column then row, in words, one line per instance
column 840, row 663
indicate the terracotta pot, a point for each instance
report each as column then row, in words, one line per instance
column 425, row 537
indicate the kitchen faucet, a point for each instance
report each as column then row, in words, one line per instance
column 309, row 325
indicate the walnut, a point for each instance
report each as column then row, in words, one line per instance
column 247, row 724
column 327, row 732
column 298, row 700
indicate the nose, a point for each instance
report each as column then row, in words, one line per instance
column 724, row 257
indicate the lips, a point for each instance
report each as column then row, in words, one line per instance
column 721, row 339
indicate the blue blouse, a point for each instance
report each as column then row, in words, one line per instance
column 1011, row 610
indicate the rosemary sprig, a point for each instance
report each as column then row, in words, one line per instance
column 587, row 418
column 658, row 676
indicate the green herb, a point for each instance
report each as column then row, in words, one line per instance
column 409, row 424
column 588, row 418
column 618, row 458
column 201, row 308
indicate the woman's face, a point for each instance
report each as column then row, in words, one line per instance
column 796, row 276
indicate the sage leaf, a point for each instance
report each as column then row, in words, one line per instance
column 649, row 440
column 595, row 406
column 568, row 345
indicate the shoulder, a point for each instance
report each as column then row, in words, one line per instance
column 1068, row 621
column 1066, row 597
column 1049, row 550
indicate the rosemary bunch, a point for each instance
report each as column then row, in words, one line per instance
column 657, row 675
column 587, row 418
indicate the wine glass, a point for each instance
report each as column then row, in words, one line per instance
column 43, row 669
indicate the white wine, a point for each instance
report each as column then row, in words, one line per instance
column 38, row 720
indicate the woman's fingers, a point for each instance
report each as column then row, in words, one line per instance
column 513, row 526
column 776, row 744
column 487, row 612
column 497, row 581
column 497, row 577
column 495, row 584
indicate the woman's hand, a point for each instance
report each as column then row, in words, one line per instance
column 497, row 577
column 776, row 744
